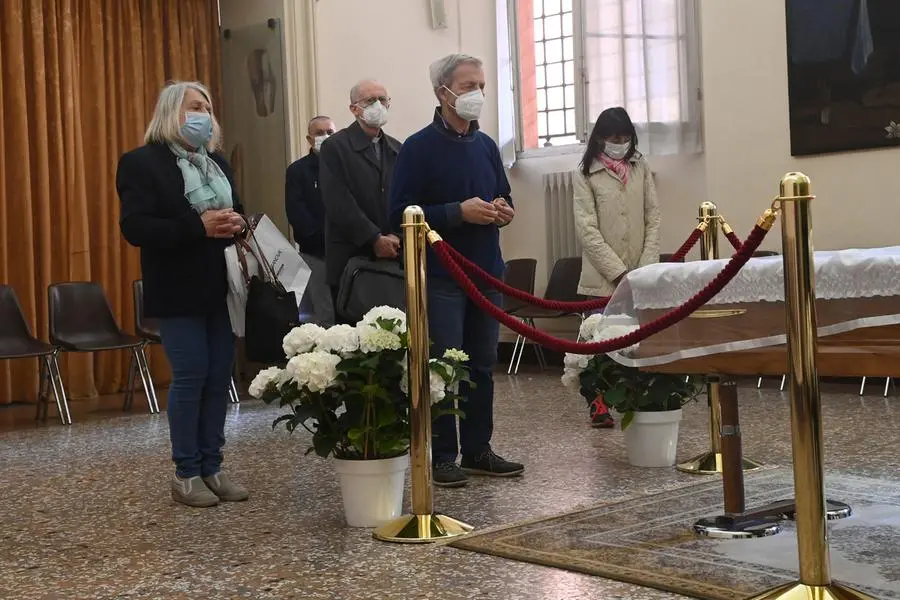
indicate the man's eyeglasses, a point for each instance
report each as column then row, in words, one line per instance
column 386, row 100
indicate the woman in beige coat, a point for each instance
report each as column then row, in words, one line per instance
column 616, row 214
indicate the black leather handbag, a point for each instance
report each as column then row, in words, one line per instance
column 271, row 314
column 368, row 283
column 271, row 310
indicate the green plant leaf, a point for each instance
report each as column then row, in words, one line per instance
column 387, row 415
column 616, row 398
column 627, row 419
column 324, row 445
column 356, row 434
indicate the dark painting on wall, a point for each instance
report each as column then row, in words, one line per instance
column 843, row 74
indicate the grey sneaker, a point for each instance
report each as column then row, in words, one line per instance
column 225, row 489
column 193, row 492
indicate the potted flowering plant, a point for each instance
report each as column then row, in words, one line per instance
column 347, row 386
column 650, row 403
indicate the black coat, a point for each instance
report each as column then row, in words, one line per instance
column 183, row 269
column 303, row 204
column 355, row 194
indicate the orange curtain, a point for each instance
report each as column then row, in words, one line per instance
column 80, row 80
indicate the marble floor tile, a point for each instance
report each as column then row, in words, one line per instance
column 85, row 510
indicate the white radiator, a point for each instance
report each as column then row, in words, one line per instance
column 562, row 240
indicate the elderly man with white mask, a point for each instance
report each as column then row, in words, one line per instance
column 454, row 171
column 356, row 165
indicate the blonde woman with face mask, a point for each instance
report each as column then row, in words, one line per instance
column 616, row 214
column 180, row 207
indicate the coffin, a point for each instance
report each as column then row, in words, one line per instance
column 742, row 330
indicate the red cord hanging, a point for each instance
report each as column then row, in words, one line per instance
column 687, row 246
column 567, row 307
column 442, row 250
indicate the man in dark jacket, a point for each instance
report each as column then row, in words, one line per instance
column 356, row 166
column 302, row 196
column 454, row 172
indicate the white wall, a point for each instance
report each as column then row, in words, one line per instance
column 748, row 135
column 398, row 50
column 395, row 44
column 747, row 147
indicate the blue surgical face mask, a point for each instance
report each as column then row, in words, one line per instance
column 197, row 128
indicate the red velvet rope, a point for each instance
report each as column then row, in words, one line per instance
column 687, row 246
column 569, row 307
column 734, row 239
column 574, row 307
column 667, row 320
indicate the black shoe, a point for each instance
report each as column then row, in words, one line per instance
column 449, row 475
column 488, row 463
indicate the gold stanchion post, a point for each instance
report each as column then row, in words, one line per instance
column 423, row 525
column 806, row 411
column 710, row 462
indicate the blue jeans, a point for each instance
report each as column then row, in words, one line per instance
column 201, row 352
column 455, row 322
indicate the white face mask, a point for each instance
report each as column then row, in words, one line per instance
column 616, row 151
column 469, row 105
column 375, row 115
column 319, row 140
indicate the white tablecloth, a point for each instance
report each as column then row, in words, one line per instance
column 839, row 274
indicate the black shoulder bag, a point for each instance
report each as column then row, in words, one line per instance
column 271, row 310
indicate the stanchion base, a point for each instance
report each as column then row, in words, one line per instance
column 799, row 591
column 710, row 463
column 834, row 510
column 421, row 529
column 737, row 528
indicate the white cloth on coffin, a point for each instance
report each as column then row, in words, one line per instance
column 857, row 273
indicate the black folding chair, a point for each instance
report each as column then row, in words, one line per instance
column 17, row 342
column 562, row 287
column 82, row 321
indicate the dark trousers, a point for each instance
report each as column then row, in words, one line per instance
column 455, row 322
column 201, row 352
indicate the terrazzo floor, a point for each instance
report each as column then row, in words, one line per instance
column 85, row 511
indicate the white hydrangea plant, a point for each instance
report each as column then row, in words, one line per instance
column 302, row 339
column 348, row 385
column 625, row 389
column 595, row 328
column 342, row 340
column 316, row 370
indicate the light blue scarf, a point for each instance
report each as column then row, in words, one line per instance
column 205, row 185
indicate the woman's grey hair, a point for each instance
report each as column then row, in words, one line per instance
column 165, row 126
column 442, row 70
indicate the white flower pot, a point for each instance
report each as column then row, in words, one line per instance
column 372, row 490
column 652, row 438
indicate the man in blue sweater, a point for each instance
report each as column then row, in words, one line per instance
column 454, row 172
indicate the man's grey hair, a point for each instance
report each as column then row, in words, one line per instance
column 442, row 70
column 165, row 126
